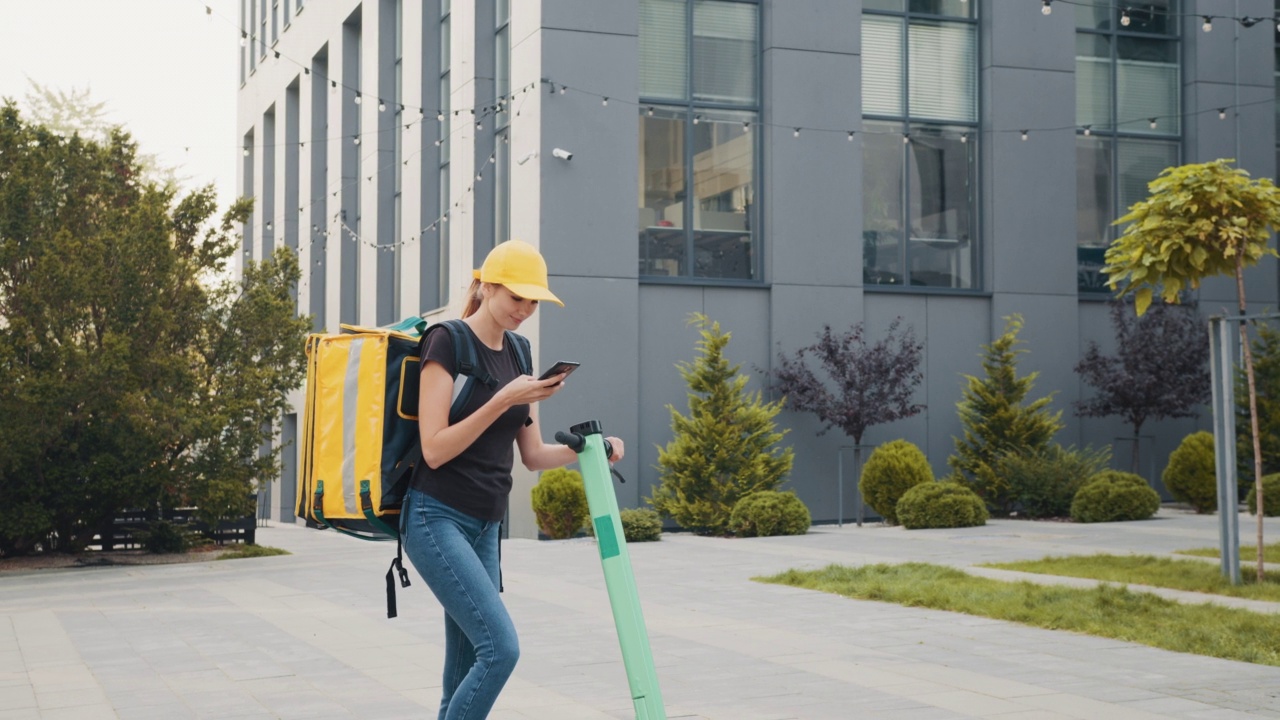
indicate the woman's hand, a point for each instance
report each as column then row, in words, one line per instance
column 618, row 449
column 526, row 390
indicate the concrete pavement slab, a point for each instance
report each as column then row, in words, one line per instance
column 305, row 635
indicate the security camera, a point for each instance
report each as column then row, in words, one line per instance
column 562, row 154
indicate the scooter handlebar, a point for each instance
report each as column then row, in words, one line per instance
column 577, row 442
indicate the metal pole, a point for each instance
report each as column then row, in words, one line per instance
column 840, row 487
column 1221, row 366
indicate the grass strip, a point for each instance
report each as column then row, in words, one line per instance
column 1189, row 575
column 1104, row 611
column 237, row 552
column 1270, row 553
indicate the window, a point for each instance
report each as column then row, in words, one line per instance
column 919, row 143
column 263, row 19
column 1127, row 116
column 699, row 91
column 275, row 22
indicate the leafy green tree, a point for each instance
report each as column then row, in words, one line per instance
column 726, row 447
column 997, row 420
column 135, row 378
column 1200, row 220
column 1160, row 369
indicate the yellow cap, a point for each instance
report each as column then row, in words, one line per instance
column 517, row 266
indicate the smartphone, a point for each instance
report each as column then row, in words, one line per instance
column 563, row 366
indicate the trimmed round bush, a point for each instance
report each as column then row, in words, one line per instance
column 1114, row 496
column 769, row 512
column 560, row 503
column 641, row 524
column 941, row 505
column 1191, row 474
column 1270, row 496
column 893, row 468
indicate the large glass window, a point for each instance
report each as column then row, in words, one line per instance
column 919, row 143
column 1128, row 118
column 502, row 121
column 699, row 91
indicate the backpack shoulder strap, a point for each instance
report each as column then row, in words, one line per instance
column 524, row 353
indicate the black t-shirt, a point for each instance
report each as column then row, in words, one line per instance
column 477, row 481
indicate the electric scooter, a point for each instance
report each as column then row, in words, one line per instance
column 587, row 440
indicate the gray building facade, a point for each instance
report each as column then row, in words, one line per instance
column 778, row 165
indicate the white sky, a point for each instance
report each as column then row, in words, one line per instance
column 166, row 70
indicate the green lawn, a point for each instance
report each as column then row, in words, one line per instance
column 1190, row 575
column 250, row 551
column 1270, row 553
column 1105, row 611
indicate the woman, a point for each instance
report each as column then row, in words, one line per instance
column 458, row 495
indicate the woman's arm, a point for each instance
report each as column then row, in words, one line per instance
column 538, row 455
column 442, row 442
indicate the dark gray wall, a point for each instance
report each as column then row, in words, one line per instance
column 629, row 335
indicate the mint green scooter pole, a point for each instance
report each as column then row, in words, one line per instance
column 587, row 440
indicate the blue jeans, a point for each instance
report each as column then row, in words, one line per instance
column 457, row 555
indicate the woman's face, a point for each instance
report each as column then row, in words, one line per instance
column 508, row 309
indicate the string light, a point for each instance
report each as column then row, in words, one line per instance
column 357, row 98
column 696, row 119
column 906, row 138
column 244, row 38
column 1047, row 8
column 1222, row 113
column 796, row 133
column 1088, row 130
column 964, row 137
column 1024, row 136
column 650, row 111
column 746, row 125
column 1208, row 23
column 1153, row 123
column 382, row 107
column 604, row 102
column 1124, row 17
column 850, row 136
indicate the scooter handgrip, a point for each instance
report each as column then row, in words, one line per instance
column 574, row 441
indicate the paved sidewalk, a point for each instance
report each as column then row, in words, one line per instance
column 305, row 636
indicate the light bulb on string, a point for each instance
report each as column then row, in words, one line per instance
column 1024, row 135
column 1208, row 23
column 796, row 133
column 1222, row 113
column 650, row 111
column 439, row 116
column 563, row 88
column 604, row 102
column 906, row 138
column 1153, row 123
column 1047, row 8
column 1124, row 17
column 244, row 38
column 964, row 138
column 697, row 119
column 358, row 98
column 746, row 125
column 356, row 139
column 850, row 138
column 333, row 86
column 382, row 107
column 1088, row 130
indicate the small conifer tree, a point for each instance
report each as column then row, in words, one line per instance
column 726, row 447
column 997, row 421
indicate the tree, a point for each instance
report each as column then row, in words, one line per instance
column 132, row 378
column 1200, row 220
column 874, row 384
column 726, row 447
column 1160, row 369
column 76, row 112
column 997, row 422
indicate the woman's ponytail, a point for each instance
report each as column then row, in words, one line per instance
column 473, row 299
